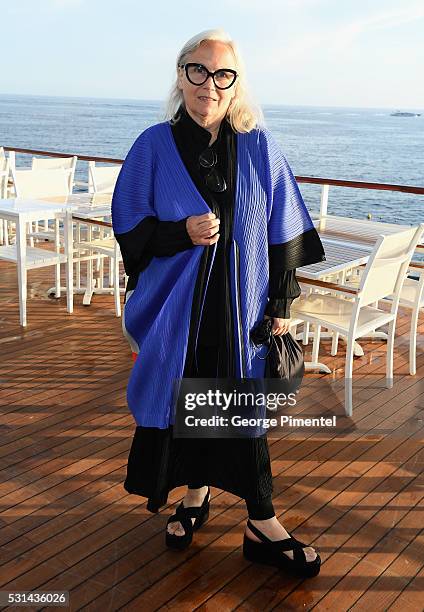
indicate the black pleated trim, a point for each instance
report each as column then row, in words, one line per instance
column 151, row 238
column 303, row 250
column 133, row 248
column 279, row 308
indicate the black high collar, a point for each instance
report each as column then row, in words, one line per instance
column 198, row 134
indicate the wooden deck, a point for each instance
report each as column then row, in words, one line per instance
column 67, row 523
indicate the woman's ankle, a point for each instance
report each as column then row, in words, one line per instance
column 267, row 521
column 271, row 528
column 196, row 495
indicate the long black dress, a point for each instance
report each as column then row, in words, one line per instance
column 158, row 462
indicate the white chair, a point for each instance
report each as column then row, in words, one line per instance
column 384, row 275
column 55, row 163
column 100, row 248
column 42, row 184
column 6, row 190
column 4, row 177
column 411, row 297
column 102, row 179
column 10, row 188
column 108, row 247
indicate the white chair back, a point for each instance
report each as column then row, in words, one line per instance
column 387, row 266
column 54, row 163
column 41, row 183
column 4, row 176
column 102, row 179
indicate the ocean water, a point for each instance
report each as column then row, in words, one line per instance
column 343, row 143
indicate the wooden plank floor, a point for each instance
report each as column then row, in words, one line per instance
column 355, row 492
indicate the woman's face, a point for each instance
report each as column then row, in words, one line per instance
column 206, row 103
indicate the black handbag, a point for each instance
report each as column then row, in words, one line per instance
column 284, row 358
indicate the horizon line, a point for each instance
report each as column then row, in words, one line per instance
column 162, row 101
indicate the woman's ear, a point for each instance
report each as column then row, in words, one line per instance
column 179, row 78
column 235, row 92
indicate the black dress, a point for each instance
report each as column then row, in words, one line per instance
column 158, row 462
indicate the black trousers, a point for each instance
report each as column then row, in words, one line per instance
column 258, row 509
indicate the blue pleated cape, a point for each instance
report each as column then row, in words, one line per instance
column 269, row 210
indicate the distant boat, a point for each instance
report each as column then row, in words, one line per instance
column 403, row 114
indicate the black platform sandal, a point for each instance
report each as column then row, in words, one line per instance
column 184, row 515
column 272, row 553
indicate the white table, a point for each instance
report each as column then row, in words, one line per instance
column 22, row 211
column 340, row 257
column 89, row 206
column 358, row 231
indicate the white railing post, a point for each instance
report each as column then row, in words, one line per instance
column 12, row 168
column 323, row 206
column 12, row 160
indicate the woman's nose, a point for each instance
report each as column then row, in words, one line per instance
column 209, row 85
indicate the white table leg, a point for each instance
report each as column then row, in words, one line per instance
column 78, row 264
column 110, row 272
column 57, row 249
column 22, row 271
column 315, row 345
column 6, row 231
column 100, row 261
column 376, row 334
column 358, row 351
column 116, row 282
column 67, row 230
column 317, row 365
column 89, row 290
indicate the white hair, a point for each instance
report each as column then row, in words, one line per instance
column 243, row 114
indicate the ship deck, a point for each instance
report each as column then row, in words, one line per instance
column 67, row 523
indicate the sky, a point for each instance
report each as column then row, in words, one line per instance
column 352, row 53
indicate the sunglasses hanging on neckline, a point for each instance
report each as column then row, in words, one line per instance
column 214, row 179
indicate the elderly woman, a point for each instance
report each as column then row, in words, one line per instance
column 211, row 226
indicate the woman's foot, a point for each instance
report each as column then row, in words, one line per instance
column 192, row 499
column 274, row 530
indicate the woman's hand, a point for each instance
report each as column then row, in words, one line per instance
column 280, row 326
column 203, row 229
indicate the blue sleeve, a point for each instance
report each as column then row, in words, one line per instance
column 289, row 216
column 132, row 199
column 137, row 229
column 293, row 240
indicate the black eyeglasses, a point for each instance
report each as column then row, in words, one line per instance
column 214, row 179
column 198, row 74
